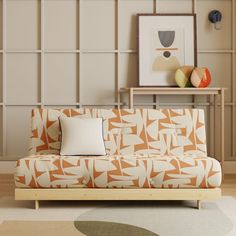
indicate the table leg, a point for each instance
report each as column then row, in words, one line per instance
column 215, row 127
column 118, row 99
column 212, row 127
column 222, row 101
column 131, row 98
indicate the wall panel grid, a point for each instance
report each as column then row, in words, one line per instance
column 75, row 53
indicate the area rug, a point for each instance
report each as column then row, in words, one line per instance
column 141, row 218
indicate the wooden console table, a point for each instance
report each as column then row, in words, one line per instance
column 212, row 92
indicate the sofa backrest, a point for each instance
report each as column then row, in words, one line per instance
column 128, row 131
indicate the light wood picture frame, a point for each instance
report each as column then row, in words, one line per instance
column 165, row 42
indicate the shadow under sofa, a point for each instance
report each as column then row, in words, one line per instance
column 150, row 155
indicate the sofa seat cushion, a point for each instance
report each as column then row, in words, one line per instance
column 129, row 171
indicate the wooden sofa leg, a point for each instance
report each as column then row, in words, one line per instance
column 36, row 204
column 198, row 204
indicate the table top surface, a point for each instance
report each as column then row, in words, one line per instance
column 172, row 89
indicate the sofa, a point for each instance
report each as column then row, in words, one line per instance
column 151, row 154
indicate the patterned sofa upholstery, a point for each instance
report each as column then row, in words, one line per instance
column 146, row 148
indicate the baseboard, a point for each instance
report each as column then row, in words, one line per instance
column 230, row 167
column 8, row 167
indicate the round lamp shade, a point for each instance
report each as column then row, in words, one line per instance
column 200, row 77
column 182, row 76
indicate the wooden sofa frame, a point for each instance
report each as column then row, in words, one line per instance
column 117, row 194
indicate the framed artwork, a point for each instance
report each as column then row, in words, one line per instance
column 166, row 42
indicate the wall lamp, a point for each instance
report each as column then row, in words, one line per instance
column 215, row 17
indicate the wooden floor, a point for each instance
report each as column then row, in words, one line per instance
column 229, row 185
column 7, row 185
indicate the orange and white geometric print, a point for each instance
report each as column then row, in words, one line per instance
column 146, row 148
column 129, row 171
column 128, row 131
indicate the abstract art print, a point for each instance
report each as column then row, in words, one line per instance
column 166, row 42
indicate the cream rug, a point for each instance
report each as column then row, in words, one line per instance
column 18, row 218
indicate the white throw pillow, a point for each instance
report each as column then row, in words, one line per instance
column 82, row 136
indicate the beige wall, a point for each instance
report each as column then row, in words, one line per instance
column 58, row 53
